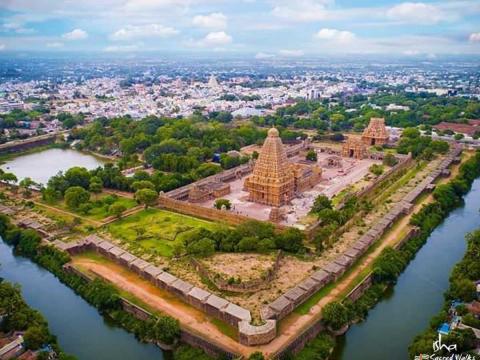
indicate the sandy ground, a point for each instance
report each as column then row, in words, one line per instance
column 247, row 266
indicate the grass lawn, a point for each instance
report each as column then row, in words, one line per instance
column 99, row 210
column 158, row 230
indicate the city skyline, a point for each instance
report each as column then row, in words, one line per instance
column 259, row 29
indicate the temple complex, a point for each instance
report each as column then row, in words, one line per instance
column 354, row 148
column 375, row 133
column 272, row 181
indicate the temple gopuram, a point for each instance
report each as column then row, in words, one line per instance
column 354, row 148
column 275, row 180
column 375, row 133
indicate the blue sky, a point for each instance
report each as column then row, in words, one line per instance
column 258, row 28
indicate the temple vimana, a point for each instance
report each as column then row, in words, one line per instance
column 275, row 180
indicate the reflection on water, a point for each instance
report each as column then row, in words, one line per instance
column 43, row 165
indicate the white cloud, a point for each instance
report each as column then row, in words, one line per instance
column 214, row 39
column 301, row 10
column 291, row 53
column 212, row 21
column 2, row 47
column 76, row 34
column 144, row 31
column 54, row 44
column 18, row 28
column 262, row 55
column 340, row 36
column 474, row 37
column 411, row 52
column 121, row 48
column 417, row 12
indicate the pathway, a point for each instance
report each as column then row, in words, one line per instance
column 190, row 318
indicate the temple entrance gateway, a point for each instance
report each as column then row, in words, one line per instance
column 375, row 133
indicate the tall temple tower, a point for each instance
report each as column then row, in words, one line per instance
column 375, row 133
column 272, row 181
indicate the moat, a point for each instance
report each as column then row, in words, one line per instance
column 42, row 165
column 418, row 295
column 80, row 329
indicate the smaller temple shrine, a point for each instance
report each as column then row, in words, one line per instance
column 212, row 190
column 375, row 133
column 354, row 148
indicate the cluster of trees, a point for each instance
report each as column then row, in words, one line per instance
column 461, row 288
column 332, row 219
column 18, row 316
column 420, row 146
column 173, row 145
column 249, row 236
column 376, row 169
column 423, row 109
column 97, row 292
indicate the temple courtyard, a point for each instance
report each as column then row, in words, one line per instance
column 335, row 178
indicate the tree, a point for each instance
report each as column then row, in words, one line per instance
column 26, row 184
column 376, row 169
column 335, row 315
column 96, row 185
column 35, row 337
column 458, row 136
column 320, row 203
column 201, row 248
column 147, row 197
column 311, row 155
column 9, row 178
column 143, row 184
column 75, row 196
column 290, row 240
column 117, row 209
column 220, row 203
column 78, row 176
column 390, row 160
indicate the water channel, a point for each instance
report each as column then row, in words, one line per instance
column 40, row 166
column 80, row 329
column 418, row 295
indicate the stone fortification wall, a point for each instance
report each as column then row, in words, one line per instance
column 199, row 298
column 21, row 145
column 205, row 213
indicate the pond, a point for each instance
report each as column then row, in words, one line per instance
column 80, row 329
column 42, row 165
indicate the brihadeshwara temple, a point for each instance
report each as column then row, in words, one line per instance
column 275, row 180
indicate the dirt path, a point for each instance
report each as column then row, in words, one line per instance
column 190, row 318
column 55, row 209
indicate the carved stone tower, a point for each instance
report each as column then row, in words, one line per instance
column 272, row 181
column 375, row 133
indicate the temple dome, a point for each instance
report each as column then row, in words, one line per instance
column 273, row 132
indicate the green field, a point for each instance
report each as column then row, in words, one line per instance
column 158, row 230
column 99, row 210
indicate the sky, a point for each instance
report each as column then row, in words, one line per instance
column 262, row 29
